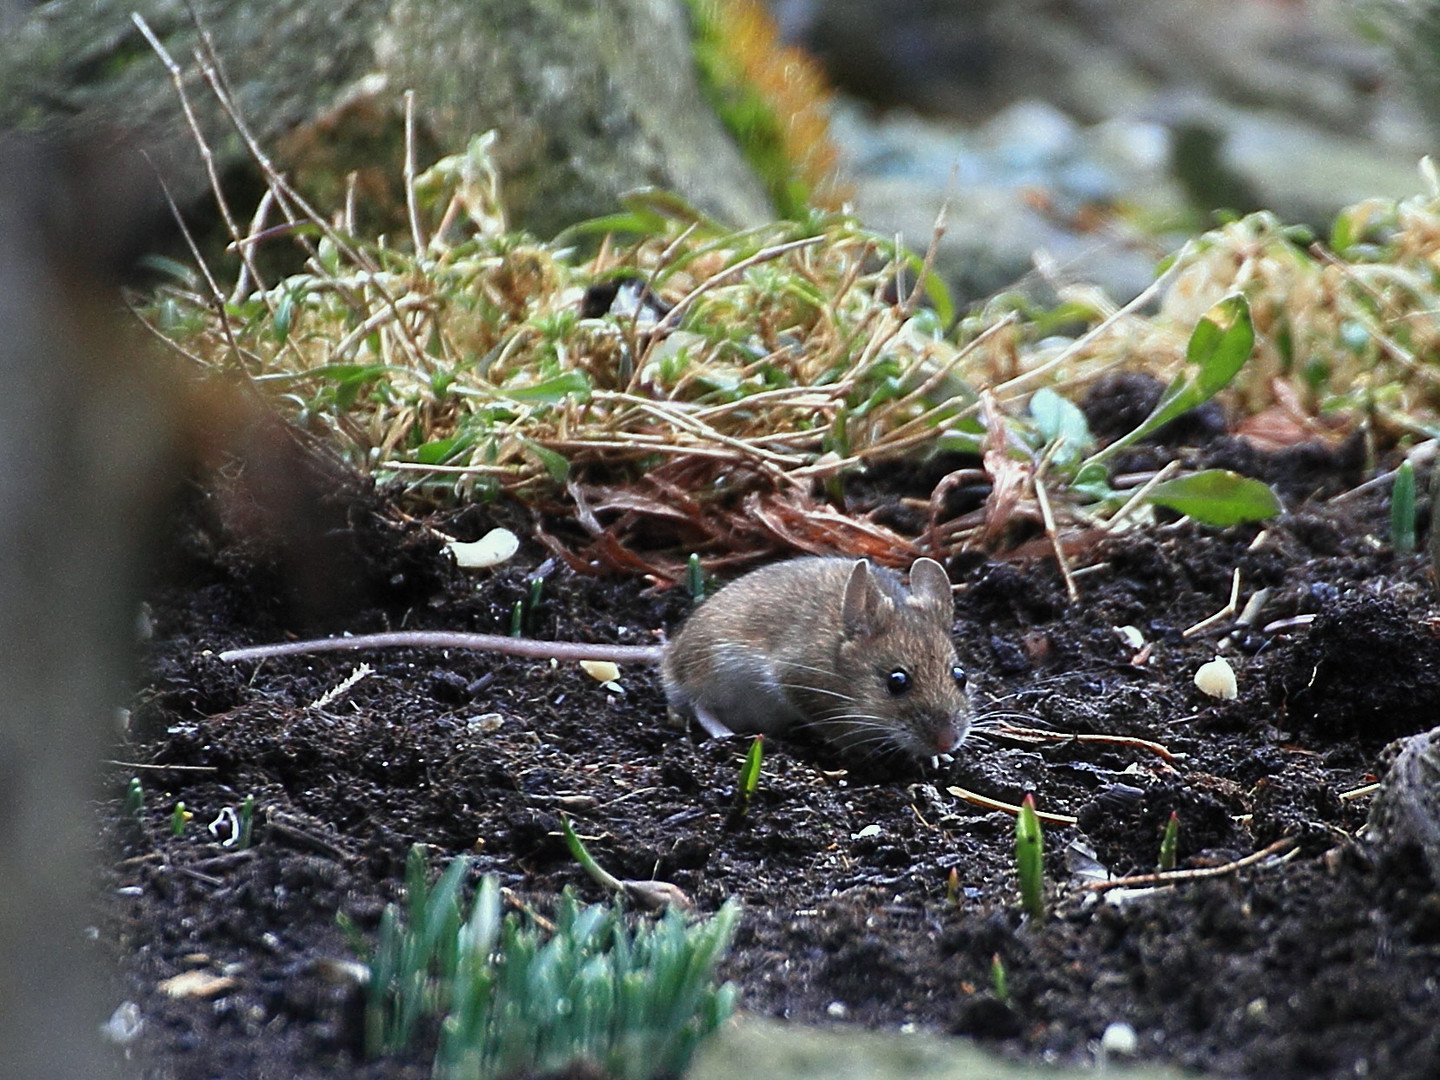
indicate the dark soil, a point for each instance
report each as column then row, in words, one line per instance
column 1322, row 964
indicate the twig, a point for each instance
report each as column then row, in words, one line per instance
column 1100, row 328
column 1054, row 534
column 217, row 298
column 1035, row 734
column 1418, row 455
column 927, row 265
column 987, row 803
column 1358, row 793
column 1176, row 877
column 286, row 193
column 1136, row 499
column 1231, row 607
column 212, row 173
column 671, row 317
column 412, row 208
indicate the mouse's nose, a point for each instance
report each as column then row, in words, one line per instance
column 946, row 739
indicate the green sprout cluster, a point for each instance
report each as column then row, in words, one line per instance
column 509, row 997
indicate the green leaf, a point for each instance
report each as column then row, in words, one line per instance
column 552, row 390
column 434, row 453
column 1219, row 346
column 555, row 463
column 1093, row 481
column 1060, row 421
column 1217, row 497
column 284, row 316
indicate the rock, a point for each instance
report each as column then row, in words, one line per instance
column 1406, row 809
column 1014, row 189
column 591, row 97
column 753, row 1047
column 1091, row 138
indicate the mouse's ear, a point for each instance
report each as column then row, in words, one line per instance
column 930, row 585
column 866, row 610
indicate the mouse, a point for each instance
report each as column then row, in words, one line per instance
column 833, row 644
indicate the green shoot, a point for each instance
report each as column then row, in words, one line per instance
column 695, row 578
column 532, row 603
column 749, row 774
column 517, row 619
column 178, row 817
column 1029, row 860
column 134, row 799
column 998, row 980
column 578, row 851
column 1402, row 509
column 1170, row 842
column 652, row 894
column 952, row 888
column 508, row 997
column 247, row 822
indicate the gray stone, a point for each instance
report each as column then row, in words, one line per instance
column 591, row 97
column 753, row 1047
column 1406, row 809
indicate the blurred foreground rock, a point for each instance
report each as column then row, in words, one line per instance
column 752, row 1047
column 1406, row 810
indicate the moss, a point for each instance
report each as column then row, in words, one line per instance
column 773, row 98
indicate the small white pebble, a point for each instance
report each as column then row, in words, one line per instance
column 1130, row 635
column 492, row 549
column 836, row 1010
column 602, row 671
column 867, row 831
column 124, row 1025
column 1217, row 678
column 1119, row 1040
column 485, row 723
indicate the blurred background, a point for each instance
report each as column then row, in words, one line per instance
column 1101, row 131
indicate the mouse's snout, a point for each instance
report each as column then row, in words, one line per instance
column 947, row 736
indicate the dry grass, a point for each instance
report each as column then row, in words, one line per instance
column 739, row 375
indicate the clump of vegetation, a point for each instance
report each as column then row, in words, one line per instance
column 508, row 996
column 773, row 98
column 731, row 382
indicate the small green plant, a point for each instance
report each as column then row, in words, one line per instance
column 1402, row 509
column 1030, row 859
column 517, row 619
column 952, row 888
column 247, row 822
column 532, row 602
column 695, row 578
column 998, row 981
column 509, row 997
column 178, row 817
column 749, row 775
column 652, row 894
column 134, row 799
column 1169, row 843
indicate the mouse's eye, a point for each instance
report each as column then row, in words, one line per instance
column 897, row 682
column 958, row 674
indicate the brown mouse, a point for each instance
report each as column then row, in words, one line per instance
column 836, row 644
column 833, row 643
